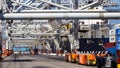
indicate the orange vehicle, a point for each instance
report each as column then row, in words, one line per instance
column 71, row 57
column 85, row 59
column 88, row 49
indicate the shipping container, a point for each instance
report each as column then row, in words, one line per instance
column 92, row 44
column 117, row 38
column 114, row 39
column 84, row 27
column 117, row 46
column 114, row 32
column 116, row 26
column 110, row 47
column 21, row 50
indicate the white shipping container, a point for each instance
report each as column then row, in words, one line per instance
column 117, row 26
column 84, row 27
column 112, row 32
column 112, row 39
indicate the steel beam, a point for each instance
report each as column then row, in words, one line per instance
column 27, row 3
column 57, row 5
column 40, row 34
column 95, row 15
column 24, row 4
column 61, row 11
column 89, row 5
column 21, row 43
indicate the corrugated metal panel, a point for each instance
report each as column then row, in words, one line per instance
column 114, row 32
column 117, row 38
column 92, row 44
column 109, row 45
column 111, row 50
column 118, row 46
column 114, row 39
column 117, row 31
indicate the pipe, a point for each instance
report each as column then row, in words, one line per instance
column 23, row 43
column 41, row 34
column 24, row 39
column 95, row 15
column 60, row 11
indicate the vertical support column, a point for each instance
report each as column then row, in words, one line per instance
column 8, row 41
column 100, row 36
column 58, row 2
column 0, row 32
column 7, row 45
column 0, row 5
column 90, row 30
column 0, row 50
column 8, row 36
column 0, row 42
column 75, row 6
column 71, row 4
column 58, row 36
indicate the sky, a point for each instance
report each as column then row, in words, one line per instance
column 114, row 8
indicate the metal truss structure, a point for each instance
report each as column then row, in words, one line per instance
column 29, row 21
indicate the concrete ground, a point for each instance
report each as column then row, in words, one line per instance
column 38, row 61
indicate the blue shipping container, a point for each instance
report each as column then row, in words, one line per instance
column 111, row 50
column 117, row 38
column 117, row 46
column 117, row 31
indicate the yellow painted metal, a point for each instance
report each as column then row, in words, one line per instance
column 118, row 66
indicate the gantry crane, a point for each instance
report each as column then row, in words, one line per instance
column 11, row 10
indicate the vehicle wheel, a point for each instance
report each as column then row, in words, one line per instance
column 77, row 59
column 66, row 58
column 88, row 62
column 72, row 60
column 69, row 58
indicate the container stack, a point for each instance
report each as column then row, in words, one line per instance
column 115, row 37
